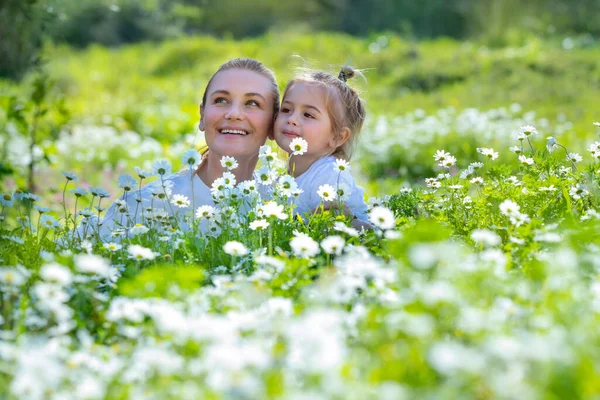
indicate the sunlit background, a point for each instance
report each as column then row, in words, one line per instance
column 98, row 87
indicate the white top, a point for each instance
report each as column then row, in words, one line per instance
column 179, row 183
column 322, row 172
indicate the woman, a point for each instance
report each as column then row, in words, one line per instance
column 237, row 112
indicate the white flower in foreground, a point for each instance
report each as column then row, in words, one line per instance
column 248, row 187
column 450, row 358
column 485, row 237
column 70, row 176
column 205, row 212
column 48, row 221
column 383, row 218
column 374, row 202
column 527, row 131
column 91, row 264
column 228, row 179
column 7, row 199
column 326, row 193
column 264, row 175
column 341, row 227
column 333, row 244
column 525, row 160
column 235, row 248
column 229, row 163
column 578, row 191
column 272, row 209
column 54, row 272
column 441, row 155
column 574, row 157
column 516, row 149
column 259, row 224
column 266, row 153
column 509, row 207
column 138, row 229
column 304, row 246
column 142, row 173
column 490, row 153
column 11, row 276
column 180, row 201
column 112, row 246
column 138, row 252
column 343, row 192
column 447, row 162
column 341, row 165
column 191, row 158
column 551, row 144
column 433, row 183
column 519, row 219
column 594, row 149
column 298, row 146
column 161, row 167
column 477, row 180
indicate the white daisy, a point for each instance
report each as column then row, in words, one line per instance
column 259, row 224
column 229, row 163
column 382, row 217
column 327, row 192
column 191, row 158
column 333, row 244
column 341, row 165
column 180, row 201
column 298, row 146
column 138, row 252
column 304, row 246
column 235, row 248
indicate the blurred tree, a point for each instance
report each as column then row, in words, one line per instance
column 22, row 26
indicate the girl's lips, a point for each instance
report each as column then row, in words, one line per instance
column 290, row 134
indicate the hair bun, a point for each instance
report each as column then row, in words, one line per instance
column 346, row 73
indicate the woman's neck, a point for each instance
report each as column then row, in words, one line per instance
column 210, row 169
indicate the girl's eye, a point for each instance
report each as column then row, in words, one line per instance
column 284, row 110
column 220, row 100
column 308, row 115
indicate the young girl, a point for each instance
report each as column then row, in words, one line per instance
column 328, row 114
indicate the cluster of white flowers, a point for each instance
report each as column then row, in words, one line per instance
column 511, row 210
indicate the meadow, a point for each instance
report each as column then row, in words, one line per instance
column 479, row 279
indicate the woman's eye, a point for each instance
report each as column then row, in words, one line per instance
column 253, row 103
column 220, row 100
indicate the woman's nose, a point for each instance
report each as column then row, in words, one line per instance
column 234, row 112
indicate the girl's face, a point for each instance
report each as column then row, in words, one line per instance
column 304, row 114
column 238, row 115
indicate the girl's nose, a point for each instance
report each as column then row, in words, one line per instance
column 292, row 120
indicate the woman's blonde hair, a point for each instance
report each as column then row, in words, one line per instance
column 345, row 107
column 249, row 64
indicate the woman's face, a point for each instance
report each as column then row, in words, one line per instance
column 238, row 115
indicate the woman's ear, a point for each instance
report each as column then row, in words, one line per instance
column 271, row 134
column 342, row 138
column 201, row 124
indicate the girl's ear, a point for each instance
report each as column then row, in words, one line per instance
column 342, row 138
column 201, row 124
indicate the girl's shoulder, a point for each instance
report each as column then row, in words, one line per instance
column 322, row 165
column 325, row 171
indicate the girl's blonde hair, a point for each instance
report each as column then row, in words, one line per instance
column 344, row 105
column 249, row 64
